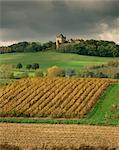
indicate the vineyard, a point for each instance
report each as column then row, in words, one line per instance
column 51, row 97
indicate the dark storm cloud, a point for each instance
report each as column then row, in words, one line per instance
column 42, row 20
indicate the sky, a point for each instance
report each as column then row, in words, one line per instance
column 42, row 20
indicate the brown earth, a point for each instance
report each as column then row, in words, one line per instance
column 28, row 136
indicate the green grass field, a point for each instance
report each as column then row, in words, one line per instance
column 48, row 59
column 101, row 114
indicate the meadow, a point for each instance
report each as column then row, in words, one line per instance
column 106, row 110
column 49, row 59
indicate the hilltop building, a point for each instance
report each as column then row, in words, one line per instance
column 60, row 39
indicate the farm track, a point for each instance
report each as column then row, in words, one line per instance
column 31, row 135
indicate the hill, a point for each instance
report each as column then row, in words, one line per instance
column 89, row 47
column 48, row 59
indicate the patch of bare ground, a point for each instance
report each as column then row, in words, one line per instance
column 29, row 136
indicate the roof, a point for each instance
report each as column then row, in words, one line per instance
column 60, row 35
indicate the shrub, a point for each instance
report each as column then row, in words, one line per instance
column 39, row 73
column 113, row 63
column 21, row 75
column 56, row 71
column 35, row 66
column 28, row 66
column 116, row 76
column 6, row 72
column 19, row 66
column 89, row 74
column 70, row 73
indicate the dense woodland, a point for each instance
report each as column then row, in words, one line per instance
column 92, row 48
column 88, row 47
column 27, row 47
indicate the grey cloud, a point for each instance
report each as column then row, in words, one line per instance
column 34, row 20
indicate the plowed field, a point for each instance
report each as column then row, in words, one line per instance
column 31, row 135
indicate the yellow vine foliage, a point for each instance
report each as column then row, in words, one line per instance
column 55, row 71
column 52, row 96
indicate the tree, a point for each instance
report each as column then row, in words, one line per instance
column 113, row 63
column 55, row 71
column 102, row 75
column 89, row 74
column 91, row 47
column 19, row 66
column 48, row 45
column 39, row 73
column 19, row 47
column 35, row 66
column 28, row 66
column 33, row 47
column 70, row 73
column 116, row 76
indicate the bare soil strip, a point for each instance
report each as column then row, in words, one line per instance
column 31, row 135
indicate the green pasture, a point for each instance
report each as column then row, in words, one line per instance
column 103, row 113
column 48, row 59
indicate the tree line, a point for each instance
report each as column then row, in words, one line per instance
column 92, row 48
column 27, row 47
column 28, row 66
column 88, row 47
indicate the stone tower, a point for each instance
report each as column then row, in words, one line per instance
column 60, row 39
